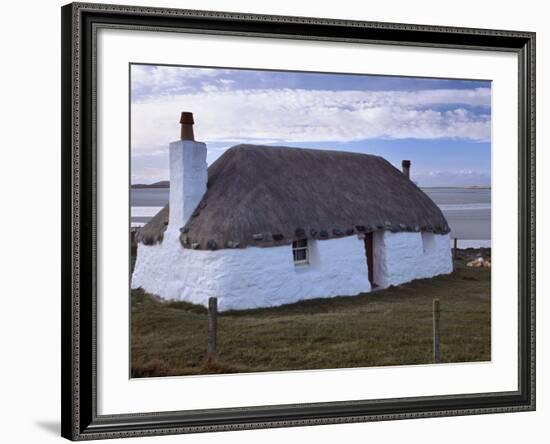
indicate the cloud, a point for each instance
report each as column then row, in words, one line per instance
column 301, row 115
column 150, row 76
column 152, row 81
column 457, row 178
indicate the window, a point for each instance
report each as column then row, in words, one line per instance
column 300, row 252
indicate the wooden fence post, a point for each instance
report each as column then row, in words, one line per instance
column 436, row 313
column 212, row 329
column 455, row 251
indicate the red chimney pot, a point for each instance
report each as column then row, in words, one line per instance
column 187, row 122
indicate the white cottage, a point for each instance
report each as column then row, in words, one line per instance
column 265, row 226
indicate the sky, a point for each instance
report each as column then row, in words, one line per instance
column 442, row 125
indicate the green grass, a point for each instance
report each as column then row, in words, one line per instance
column 387, row 327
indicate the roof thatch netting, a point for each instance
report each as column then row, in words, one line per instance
column 266, row 196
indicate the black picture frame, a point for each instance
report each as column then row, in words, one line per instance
column 79, row 395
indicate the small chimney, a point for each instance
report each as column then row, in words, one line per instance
column 188, row 174
column 187, row 122
column 406, row 164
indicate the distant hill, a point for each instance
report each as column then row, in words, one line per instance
column 161, row 184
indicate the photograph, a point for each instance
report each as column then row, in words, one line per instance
column 294, row 220
column 284, row 219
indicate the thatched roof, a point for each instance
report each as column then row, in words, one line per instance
column 265, row 196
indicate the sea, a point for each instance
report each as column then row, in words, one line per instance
column 467, row 210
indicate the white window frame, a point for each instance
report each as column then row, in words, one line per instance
column 296, row 247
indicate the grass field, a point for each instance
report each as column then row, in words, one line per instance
column 387, row 327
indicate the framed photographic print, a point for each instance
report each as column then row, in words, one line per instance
column 279, row 221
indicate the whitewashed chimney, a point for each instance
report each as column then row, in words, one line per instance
column 188, row 174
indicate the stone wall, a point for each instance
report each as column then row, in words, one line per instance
column 261, row 277
column 402, row 257
column 251, row 277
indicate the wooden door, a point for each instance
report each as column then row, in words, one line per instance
column 370, row 257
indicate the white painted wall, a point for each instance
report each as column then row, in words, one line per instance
column 251, row 277
column 264, row 277
column 402, row 257
column 188, row 178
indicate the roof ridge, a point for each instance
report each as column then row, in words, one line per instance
column 242, row 146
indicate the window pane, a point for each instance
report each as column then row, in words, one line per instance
column 300, row 255
column 300, row 243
